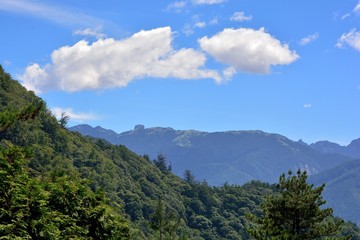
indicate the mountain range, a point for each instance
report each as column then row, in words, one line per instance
column 232, row 156
column 342, row 189
column 351, row 150
column 237, row 157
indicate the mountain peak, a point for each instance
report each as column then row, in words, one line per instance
column 139, row 127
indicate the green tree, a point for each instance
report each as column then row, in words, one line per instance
column 58, row 207
column 64, row 119
column 14, row 195
column 189, row 177
column 295, row 212
column 162, row 164
column 9, row 117
column 158, row 219
column 84, row 211
column 165, row 222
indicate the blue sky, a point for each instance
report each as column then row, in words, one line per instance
column 287, row 67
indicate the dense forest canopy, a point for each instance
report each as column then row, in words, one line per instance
column 57, row 184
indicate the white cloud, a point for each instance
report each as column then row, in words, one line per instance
column 58, row 15
column 90, row 32
column 177, row 6
column 307, row 105
column 197, row 2
column 346, row 15
column 240, row 17
column 229, row 72
column 35, row 78
column 74, row 116
column 109, row 63
column 308, row 39
column 248, row 50
column 351, row 38
column 214, row 21
column 357, row 8
column 188, row 29
column 6, row 62
column 200, row 24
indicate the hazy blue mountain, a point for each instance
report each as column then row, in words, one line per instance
column 97, row 132
column 351, row 150
column 342, row 189
column 219, row 157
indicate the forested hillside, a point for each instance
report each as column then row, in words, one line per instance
column 57, row 184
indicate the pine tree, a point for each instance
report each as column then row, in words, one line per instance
column 14, row 195
column 295, row 212
column 162, row 164
column 189, row 177
column 158, row 219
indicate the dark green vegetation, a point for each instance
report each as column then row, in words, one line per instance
column 295, row 213
column 57, row 184
column 52, row 207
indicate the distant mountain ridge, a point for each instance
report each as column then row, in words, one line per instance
column 352, row 150
column 218, row 157
column 240, row 156
column 342, row 189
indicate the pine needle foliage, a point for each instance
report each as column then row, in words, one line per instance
column 295, row 213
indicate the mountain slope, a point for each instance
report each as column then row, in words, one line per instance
column 134, row 186
column 131, row 183
column 342, row 189
column 351, row 150
column 219, row 157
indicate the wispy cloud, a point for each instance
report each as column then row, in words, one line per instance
column 189, row 28
column 179, row 6
column 357, row 8
column 200, row 24
column 197, row 2
column 346, row 15
column 74, row 116
column 176, row 6
column 229, row 72
column 57, row 14
column 351, row 39
column 307, row 105
column 240, row 17
column 109, row 63
column 308, row 39
column 214, row 21
column 90, row 32
column 6, row 62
